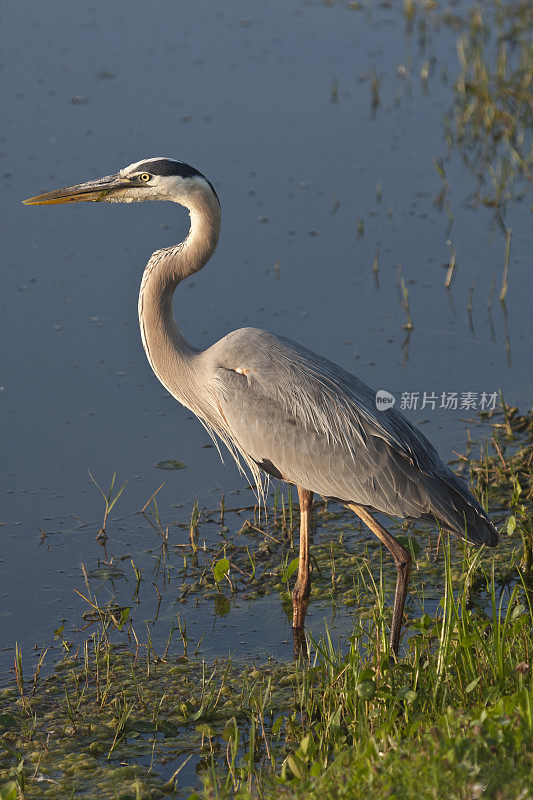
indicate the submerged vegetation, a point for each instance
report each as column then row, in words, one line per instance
column 452, row 718
column 489, row 119
column 492, row 112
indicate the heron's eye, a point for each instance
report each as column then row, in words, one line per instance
column 145, row 177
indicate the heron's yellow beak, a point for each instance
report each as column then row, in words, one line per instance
column 98, row 190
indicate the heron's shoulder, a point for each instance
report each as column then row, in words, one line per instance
column 249, row 334
column 251, row 347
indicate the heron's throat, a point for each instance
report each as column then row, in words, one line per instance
column 169, row 353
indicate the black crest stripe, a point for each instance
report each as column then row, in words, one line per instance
column 167, row 166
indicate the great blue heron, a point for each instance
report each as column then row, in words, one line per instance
column 276, row 405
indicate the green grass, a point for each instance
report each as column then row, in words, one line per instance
column 453, row 718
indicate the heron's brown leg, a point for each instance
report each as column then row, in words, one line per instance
column 302, row 587
column 402, row 559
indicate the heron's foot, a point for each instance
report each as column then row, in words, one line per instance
column 300, row 644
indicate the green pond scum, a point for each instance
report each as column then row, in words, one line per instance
column 452, row 718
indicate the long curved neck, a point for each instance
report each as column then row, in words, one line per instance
column 170, row 355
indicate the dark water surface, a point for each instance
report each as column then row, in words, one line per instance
column 273, row 102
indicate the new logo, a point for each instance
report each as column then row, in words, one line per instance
column 384, row 400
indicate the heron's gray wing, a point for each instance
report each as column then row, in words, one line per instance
column 307, row 420
column 319, row 394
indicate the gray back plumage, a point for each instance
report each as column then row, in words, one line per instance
column 301, row 417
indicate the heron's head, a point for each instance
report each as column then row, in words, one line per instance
column 150, row 179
